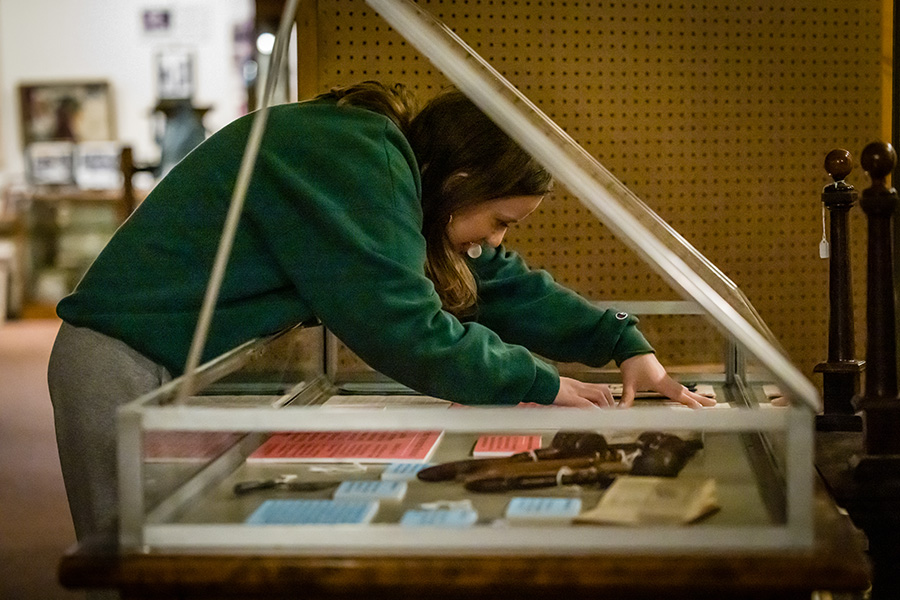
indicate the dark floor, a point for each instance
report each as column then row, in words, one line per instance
column 35, row 527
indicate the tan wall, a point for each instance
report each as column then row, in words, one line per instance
column 718, row 114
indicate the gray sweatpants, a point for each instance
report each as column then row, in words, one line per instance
column 90, row 376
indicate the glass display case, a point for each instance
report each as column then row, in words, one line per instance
column 67, row 228
column 278, row 446
column 272, row 452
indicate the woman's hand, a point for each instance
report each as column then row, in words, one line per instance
column 583, row 395
column 643, row 372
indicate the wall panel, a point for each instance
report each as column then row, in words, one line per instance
column 717, row 113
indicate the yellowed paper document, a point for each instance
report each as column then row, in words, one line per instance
column 654, row 500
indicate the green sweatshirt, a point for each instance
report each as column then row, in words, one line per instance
column 331, row 229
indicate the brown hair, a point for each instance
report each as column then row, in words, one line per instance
column 396, row 102
column 451, row 136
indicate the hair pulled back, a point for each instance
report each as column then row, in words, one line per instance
column 464, row 159
column 396, row 101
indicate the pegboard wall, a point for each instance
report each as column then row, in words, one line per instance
column 717, row 113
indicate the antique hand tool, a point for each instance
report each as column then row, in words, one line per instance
column 653, row 454
column 282, row 482
column 659, row 454
column 523, row 476
column 565, row 444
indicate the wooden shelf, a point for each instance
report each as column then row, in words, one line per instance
column 35, row 310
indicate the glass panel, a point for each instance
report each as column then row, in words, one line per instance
column 632, row 221
column 384, row 489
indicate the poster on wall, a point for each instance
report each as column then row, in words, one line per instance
column 74, row 111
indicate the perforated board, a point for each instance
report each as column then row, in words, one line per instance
column 718, row 114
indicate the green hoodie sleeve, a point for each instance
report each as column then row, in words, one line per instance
column 354, row 250
column 527, row 307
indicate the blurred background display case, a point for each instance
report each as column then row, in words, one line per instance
column 67, row 230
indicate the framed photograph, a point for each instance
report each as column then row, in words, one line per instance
column 157, row 21
column 50, row 163
column 95, row 165
column 175, row 76
column 73, row 111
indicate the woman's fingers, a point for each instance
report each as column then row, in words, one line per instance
column 646, row 373
column 697, row 400
column 585, row 395
column 627, row 399
column 598, row 394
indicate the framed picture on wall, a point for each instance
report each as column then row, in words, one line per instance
column 175, row 75
column 50, row 163
column 74, row 111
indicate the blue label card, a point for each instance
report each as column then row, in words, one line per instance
column 312, row 512
column 439, row 518
column 543, row 509
column 371, row 490
column 402, row 471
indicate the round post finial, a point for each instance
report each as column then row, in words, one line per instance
column 838, row 164
column 878, row 160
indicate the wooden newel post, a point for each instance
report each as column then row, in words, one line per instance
column 879, row 402
column 126, row 165
column 841, row 372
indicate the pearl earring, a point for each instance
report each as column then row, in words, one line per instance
column 474, row 251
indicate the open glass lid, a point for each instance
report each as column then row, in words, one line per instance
column 688, row 272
